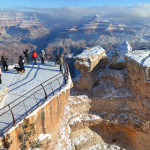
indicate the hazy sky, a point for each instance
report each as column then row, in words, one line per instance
column 65, row 3
column 134, row 10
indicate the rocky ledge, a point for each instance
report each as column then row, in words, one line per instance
column 138, row 64
column 117, row 114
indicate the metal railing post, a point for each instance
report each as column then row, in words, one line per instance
column 12, row 114
column 44, row 91
column 52, row 88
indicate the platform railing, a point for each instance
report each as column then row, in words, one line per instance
column 46, row 89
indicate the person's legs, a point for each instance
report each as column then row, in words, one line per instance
column 27, row 60
column 61, row 68
column 42, row 60
column 34, row 61
column 6, row 67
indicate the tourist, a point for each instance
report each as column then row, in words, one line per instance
column 0, row 75
column 26, row 53
column 34, row 56
column 61, row 61
column 4, row 63
column 21, row 63
column 42, row 56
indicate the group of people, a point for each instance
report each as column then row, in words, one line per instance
column 59, row 60
column 34, row 58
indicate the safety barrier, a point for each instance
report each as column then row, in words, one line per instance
column 22, row 106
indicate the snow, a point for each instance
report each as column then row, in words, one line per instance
column 104, row 146
column 44, row 136
column 86, row 54
column 84, row 117
column 67, row 86
column 20, row 84
column 119, row 52
column 140, row 56
column 84, row 63
column 83, row 138
column 65, row 132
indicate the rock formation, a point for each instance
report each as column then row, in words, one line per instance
column 88, row 62
column 138, row 65
column 119, row 104
column 116, row 56
column 108, row 109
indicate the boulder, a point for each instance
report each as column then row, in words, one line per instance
column 89, row 62
column 116, row 56
column 89, row 59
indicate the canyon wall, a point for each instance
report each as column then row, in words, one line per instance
column 120, row 99
column 138, row 64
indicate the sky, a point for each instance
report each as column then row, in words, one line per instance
column 134, row 10
column 66, row 3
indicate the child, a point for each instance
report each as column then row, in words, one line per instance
column 0, row 75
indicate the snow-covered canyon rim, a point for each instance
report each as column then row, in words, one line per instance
column 18, row 84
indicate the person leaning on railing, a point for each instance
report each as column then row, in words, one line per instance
column 61, row 62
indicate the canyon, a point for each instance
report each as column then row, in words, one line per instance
column 108, row 105
column 106, row 109
column 37, row 31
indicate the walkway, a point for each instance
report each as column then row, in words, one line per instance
column 20, row 84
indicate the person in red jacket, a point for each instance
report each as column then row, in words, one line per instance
column 34, row 56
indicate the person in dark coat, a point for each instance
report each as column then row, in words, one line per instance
column 26, row 54
column 21, row 63
column 34, row 56
column 4, row 63
column 61, row 62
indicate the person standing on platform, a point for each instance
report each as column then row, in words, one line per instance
column 42, row 56
column 21, row 63
column 61, row 62
column 34, row 56
column 26, row 53
column 4, row 63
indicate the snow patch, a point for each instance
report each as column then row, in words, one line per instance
column 84, row 117
column 44, row 136
column 89, row 52
column 141, row 57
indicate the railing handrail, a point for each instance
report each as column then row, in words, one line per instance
column 65, row 75
column 29, row 91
